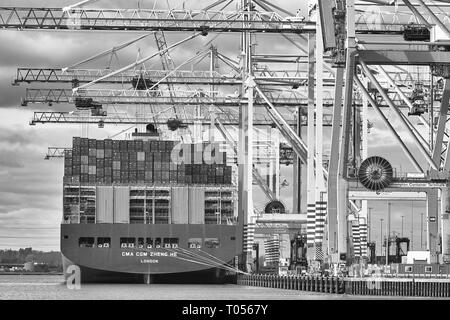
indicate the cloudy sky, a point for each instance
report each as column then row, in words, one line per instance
column 31, row 187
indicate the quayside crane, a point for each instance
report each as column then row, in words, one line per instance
column 349, row 64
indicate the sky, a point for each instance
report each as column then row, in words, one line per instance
column 31, row 187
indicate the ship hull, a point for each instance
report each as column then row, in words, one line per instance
column 180, row 264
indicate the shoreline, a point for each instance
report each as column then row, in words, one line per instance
column 31, row 273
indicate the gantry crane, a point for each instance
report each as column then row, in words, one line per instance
column 261, row 88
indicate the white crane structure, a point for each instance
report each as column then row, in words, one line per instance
column 351, row 63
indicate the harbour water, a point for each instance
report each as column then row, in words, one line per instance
column 50, row 287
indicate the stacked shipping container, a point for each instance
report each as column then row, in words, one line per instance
column 143, row 162
column 121, row 181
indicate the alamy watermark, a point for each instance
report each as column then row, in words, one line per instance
column 374, row 280
column 73, row 18
column 73, row 279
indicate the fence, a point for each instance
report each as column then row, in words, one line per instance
column 352, row 286
column 303, row 283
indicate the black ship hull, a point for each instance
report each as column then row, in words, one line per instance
column 139, row 263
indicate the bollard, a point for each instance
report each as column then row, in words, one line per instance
column 303, row 283
column 297, row 283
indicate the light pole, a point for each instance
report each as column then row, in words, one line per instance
column 381, row 236
column 412, row 226
column 388, row 231
column 402, row 225
column 421, row 231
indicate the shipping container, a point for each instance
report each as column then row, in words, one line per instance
column 196, row 205
column 121, row 205
column 179, row 201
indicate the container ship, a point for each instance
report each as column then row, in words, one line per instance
column 133, row 214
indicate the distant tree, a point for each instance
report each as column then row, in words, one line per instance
column 30, row 258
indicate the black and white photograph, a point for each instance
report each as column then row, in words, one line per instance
column 230, row 155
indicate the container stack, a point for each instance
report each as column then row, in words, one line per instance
column 109, row 161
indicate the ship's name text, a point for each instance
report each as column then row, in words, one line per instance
column 148, row 254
